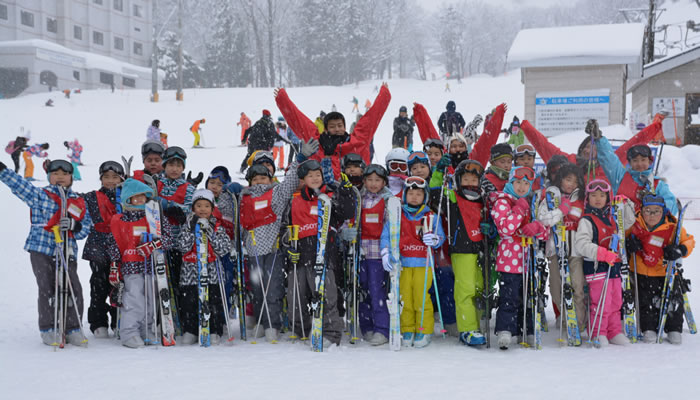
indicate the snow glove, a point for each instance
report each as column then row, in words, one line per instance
column 593, row 129
column 673, row 252
column 69, row 224
column 196, row 180
column 430, row 239
column 534, row 229
column 175, row 213
column 521, row 207
column 2, row 166
column 387, row 260
column 565, row 206
column 293, row 256
column 114, row 274
column 308, row 149
column 444, row 162
column 329, row 142
column 633, row 244
column 146, row 249
column 607, row 256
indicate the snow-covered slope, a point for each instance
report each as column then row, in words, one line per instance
column 110, row 125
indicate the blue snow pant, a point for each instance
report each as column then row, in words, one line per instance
column 510, row 305
column 445, row 278
column 373, row 312
column 229, row 272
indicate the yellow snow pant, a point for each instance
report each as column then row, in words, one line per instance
column 414, row 289
column 29, row 165
column 469, row 284
column 196, row 137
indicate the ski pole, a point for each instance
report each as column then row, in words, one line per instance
column 262, row 286
column 155, row 303
column 426, row 229
column 525, row 275
column 293, row 238
column 222, row 290
column 73, row 299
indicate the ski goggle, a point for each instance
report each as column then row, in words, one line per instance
column 152, row 147
column 414, row 182
column 471, row 166
column 418, row 156
column 353, row 159
column 309, row 165
column 376, row 169
column 175, row 152
column 63, row 165
column 523, row 173
column 398, row 166
column 112, row 166
column 256, row 170
column 433, row 143
column 263, row 156
column 597, row 184
column 525, row 149
column 639, row 150
column 220, row 175
column 653, row 200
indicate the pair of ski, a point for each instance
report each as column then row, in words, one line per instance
column 353, row 266
column 534, row 282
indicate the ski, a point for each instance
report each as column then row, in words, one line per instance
column 240, row 298
column 535, row 278
column 685, row 288
column 159, row 265
column 671, row 270
column 394, row 296
column 559, row 235
column 628, row 305
column 324, row 219
column 354, row 249
column 202, row 244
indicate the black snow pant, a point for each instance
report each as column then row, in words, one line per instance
column 509, row 316
column 272, row 265
column 100, row 289
column 650, row 295
column 189, row 309
column 15, row 159
column 44, row 267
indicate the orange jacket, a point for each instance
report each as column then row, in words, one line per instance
column 666, row 229
column 195, row 126
column 244, row 122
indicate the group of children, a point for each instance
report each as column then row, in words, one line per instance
column 465, row 229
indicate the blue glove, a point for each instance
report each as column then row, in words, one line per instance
column 164, row 203
column 234, row 187
column 444, row 162
column 485, row 228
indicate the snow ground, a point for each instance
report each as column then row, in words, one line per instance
column 109, row 125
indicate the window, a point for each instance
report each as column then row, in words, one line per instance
column 137, row 29
column 51, row 25
column 3, row 11
column 97, row 2
column 106, row 78
column 76, row 75
column 98, row 38
column 130, row 82
column 138, row 48
column 138, row 10
column 27, row 18
column 118, row 43
column 78, row 32
column 118, row 5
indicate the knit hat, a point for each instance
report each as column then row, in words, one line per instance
column 501, row 150
column 203, row 194
column 266, row 112
column 132, row 187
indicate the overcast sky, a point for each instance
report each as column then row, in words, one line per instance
column 435, row 4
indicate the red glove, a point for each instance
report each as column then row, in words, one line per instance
column 114, row 274
column 146, row 249
column 521, row 206
column 533, row 229
column 607, row 256
column 565, row 206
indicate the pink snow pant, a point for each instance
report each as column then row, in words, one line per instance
column 610, row 324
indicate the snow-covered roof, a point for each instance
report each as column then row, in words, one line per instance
column 90, row 60
column 667, row 63
column 577, row 45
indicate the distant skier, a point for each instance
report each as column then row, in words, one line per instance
column 244, row 123
column 260, row 136
column 196, row 129
column 153, row 131
column 403, row 130
column 355, row 103
column 37, row 150
column 15, row 148
column 450, row 121
column 76, row 151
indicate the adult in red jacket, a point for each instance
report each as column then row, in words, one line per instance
column 336, row 142
column 546, row 149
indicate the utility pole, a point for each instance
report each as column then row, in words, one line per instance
column 154, row 56
column 179, row 95
column 651, row 22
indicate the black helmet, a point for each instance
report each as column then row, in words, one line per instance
column 156, row 123
column 255, row 170
column 403, row 109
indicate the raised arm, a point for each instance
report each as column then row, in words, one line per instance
column 612, row 166
column 426, row 129
column 543, row 146
column 644, row 136
column 482, row 147
column 296, row 120
column 366, row 127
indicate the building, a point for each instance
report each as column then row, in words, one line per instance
column 575, row 73
column 671, row 84
column 74, row 44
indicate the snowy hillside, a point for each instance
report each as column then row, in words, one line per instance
column 110, row 125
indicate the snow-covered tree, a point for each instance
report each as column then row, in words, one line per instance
column 167, row 61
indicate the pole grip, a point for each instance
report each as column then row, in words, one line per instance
column 56, row 234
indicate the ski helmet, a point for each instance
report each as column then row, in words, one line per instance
column 451, row 106
column 433, row 143
column 112, row 166
column 651, row 199
column 220, row 173
column 152, row 147
column 156, row 123
column 639, row 150
column 203, row 194
column 174, row 152
column 261, row 157
column 379, row 170
column 352, row 159
column 306, row 167
column 403, row 109
column 255, row 170
column 468, row 167
column 554, row 164
column 501, row 150
column 397, row 156
column 417, row 157
column 415, row 182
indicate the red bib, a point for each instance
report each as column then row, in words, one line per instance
column 653, row 242
column 571, row 219
column 228, row 225
column 191, row 256
column 305, row 214
column 411, row 243
column 177, row 197
column 128, row 235
column 75, row 209
column 257, row 211
column 107, row 211
column 471, row 216
column 373, row 221
column 497, row 182
column 632, row 190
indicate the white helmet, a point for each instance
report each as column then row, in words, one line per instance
column 397, row 154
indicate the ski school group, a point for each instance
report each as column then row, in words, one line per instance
column 344, row 247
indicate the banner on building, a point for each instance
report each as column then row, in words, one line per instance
column 559, row 112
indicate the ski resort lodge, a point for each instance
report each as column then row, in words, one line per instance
column 575, row 73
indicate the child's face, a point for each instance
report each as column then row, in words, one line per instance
column 353, row 170
column 216, row 186
column 60, row 177
column 525, row 160
column 586, row 152
column 336, row 127
column 415, row 197
column 457, row 146
column 270, row 167
column 138, row 200
column 153, row 164
column 202, row 208
column 434, row 154
column 597, row 199
column 521, row 187
column 420, row 169
column 652, row 214
column 174, row 168
column 260, row 180
column 110, row 180
column 640, row 163
column 313, row 179
column 469, row 180
column 569, row 183
column 504, row 163
column 374, row 183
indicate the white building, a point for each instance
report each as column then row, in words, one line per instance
column 575, row 73
column 84, row 44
